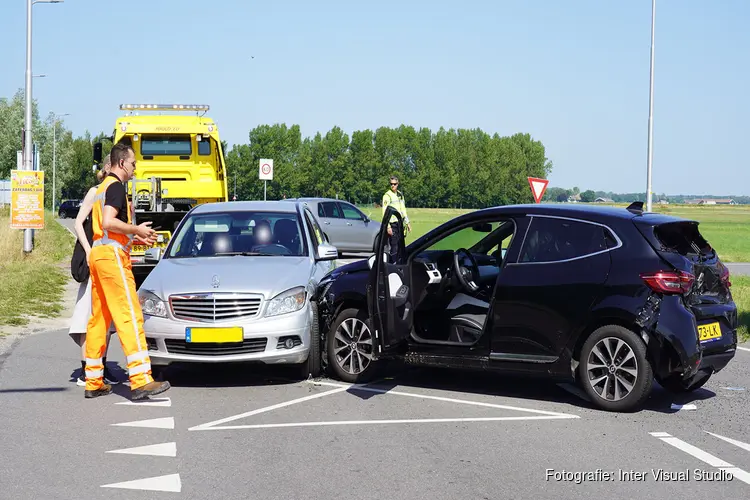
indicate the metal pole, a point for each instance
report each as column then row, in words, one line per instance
column 651, row 110
column 28, row 243
column 265, row 183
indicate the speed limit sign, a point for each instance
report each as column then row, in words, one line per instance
column 265, row 170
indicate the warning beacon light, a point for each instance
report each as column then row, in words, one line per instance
column 164, row 107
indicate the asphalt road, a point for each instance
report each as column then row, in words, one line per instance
column 247, row 432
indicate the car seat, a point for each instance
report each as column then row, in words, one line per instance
column 285, row 231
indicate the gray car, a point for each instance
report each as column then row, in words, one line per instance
column 235, row 284
column 348, row 229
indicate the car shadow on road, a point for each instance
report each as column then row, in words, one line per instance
column 225, row 375
column 518, row 387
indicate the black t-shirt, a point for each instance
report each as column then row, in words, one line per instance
column 117, row 197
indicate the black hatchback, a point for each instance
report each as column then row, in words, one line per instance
column 69, row 209
column 610, row 298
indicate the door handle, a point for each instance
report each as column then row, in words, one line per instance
column 348, row 223
column 326, row 222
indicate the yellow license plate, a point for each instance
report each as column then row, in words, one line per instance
column 213, row 335
column 143, row 248
column 709, row 332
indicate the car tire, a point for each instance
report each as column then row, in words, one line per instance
column 626, row 380
column 311, row 366
column 62, row 214
column 353, row 320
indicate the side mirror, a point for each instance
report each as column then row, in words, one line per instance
column 152, row 254
column 97, row 152
column 327, row 251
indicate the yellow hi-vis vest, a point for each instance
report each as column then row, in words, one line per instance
column 396, row 200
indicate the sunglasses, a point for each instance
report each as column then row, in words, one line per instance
column 394, row 183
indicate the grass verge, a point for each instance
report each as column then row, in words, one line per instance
column 741, row 295
column 32, row 285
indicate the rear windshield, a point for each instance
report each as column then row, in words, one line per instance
column 683, row 238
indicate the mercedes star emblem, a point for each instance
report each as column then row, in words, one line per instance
column 215, row 281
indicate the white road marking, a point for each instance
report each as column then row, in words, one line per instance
column 689, row 406
column 156, row 450
column 154, row 423
column 216, row 425
column 401, row 421
column 740, row 444
column 703, row 456
column 744, row 348
column 447, row 400
column 148, row 402
column 265, row 409
column 170, row 482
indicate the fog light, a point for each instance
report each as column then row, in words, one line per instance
column 289, row 343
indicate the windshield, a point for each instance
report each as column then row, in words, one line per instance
column 165, row 145
column 239, row 233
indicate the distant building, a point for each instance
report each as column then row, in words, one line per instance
column 574, row 198
column 711, row 201
column 604, row 200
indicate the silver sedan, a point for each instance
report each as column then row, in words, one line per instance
column 235, row 284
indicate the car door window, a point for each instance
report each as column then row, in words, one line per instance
column 555, row 240
column 330, row 210
column 350, row 212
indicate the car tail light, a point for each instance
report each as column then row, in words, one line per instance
column 669, row 282
column 724, row 277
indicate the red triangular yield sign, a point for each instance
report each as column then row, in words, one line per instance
column 538, row 187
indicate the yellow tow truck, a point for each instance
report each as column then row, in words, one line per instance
column 179, row 164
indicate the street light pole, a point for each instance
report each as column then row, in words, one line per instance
column 28, row 153
column 650, row 111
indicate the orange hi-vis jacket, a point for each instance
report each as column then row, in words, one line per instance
column 113, row 298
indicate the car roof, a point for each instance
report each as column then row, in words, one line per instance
column 583, row 211
column 241, row 206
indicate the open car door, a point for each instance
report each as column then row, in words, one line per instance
column 388, row 293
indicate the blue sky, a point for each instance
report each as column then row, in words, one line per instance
column 572, row 73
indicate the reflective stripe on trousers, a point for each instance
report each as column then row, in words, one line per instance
column 113, row 298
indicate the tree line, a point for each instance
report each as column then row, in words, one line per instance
column 461, row 168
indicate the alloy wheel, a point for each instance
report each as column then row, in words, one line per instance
column 612, row 369
column 352, row 346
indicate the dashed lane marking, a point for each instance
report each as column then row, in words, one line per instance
column 155, row 450
column 739, row 444
column 217, row 425
column 170, row 483
column 154, row 423
column 148, row 402
column 703, row 456
column 744, row 348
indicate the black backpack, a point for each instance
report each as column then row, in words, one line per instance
column 79, row 267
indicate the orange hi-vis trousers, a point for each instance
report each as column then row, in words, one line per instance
column 114, row 298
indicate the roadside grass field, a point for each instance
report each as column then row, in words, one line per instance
column 32, row 286
column 726, row 227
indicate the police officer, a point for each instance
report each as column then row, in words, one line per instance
column 395, row 198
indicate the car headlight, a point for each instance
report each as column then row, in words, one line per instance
column 151, row 304
column 287, row 302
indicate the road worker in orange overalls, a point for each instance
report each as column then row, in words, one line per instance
column 113, row 294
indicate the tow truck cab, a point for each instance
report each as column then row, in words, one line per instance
column 179, row 165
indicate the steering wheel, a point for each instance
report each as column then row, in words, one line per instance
column 467, row 276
